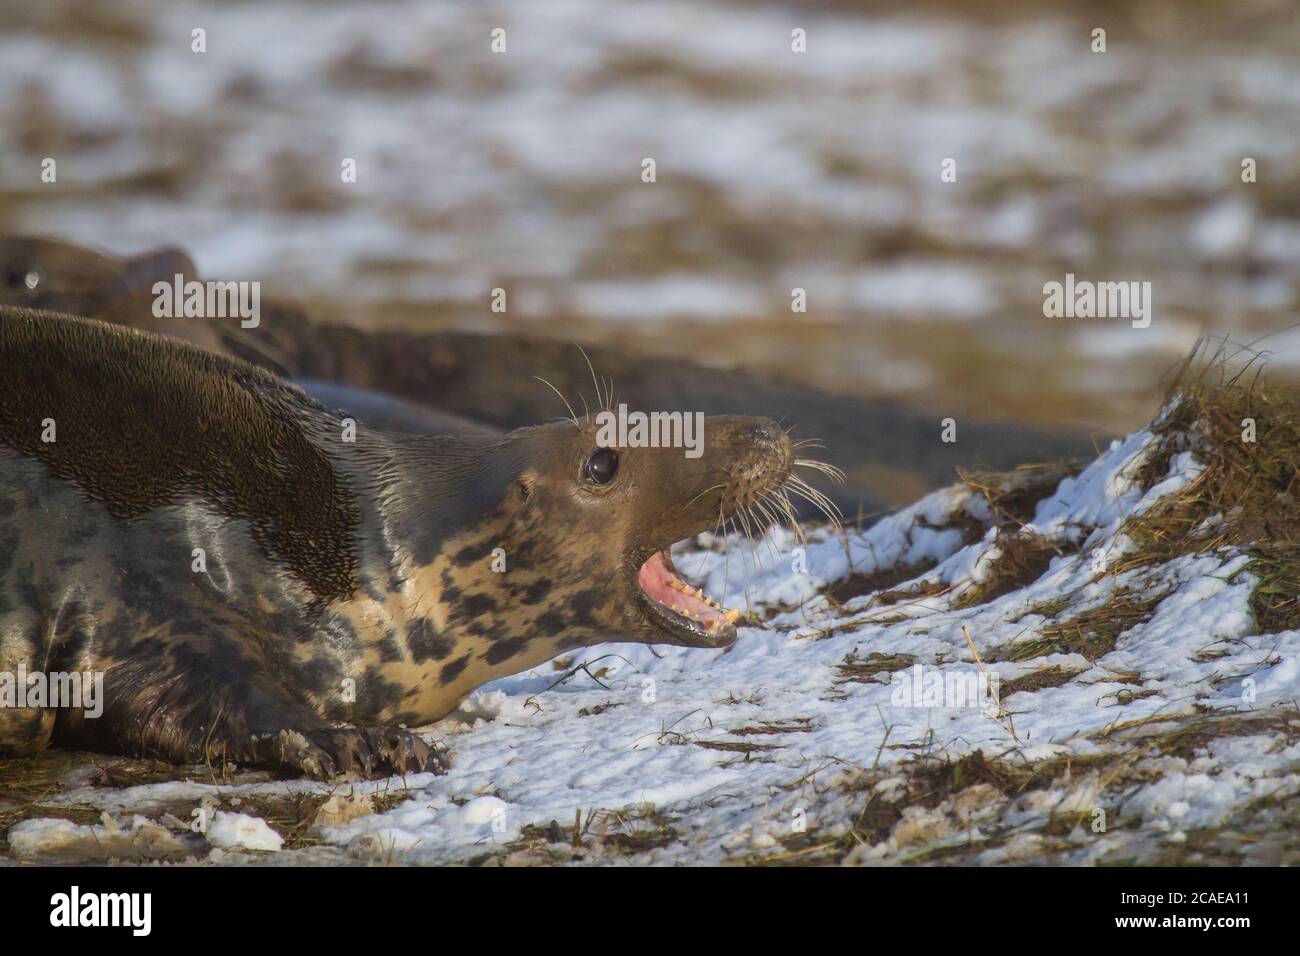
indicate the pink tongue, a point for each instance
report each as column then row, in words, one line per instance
column 654, row 578
column 657, row 582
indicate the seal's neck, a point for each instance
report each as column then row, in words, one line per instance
column 432, row 489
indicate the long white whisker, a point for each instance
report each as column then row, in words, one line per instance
column 781, row 503
column 572, row 416
column 816, row 498
column 772, row 522
column 702, row 494
column 830, row 471
column 794, row 481
column 744, row 522
column 591, row 368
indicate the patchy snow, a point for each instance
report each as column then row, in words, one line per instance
column 232, row 831
column 774, row 170
column 733, row 753
column 131, row 838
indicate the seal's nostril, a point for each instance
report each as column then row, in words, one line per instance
column 767, row 433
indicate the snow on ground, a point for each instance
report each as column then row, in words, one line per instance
column 841, row 711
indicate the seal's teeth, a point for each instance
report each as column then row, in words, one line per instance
column 699, row 593
column 731, row 616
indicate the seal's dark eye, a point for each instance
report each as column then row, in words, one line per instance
column 601, row 466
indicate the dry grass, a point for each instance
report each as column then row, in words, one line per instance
column 1053, row 676
column 599, row 709
column 941, row 782
column 599, row 833
column 859, row 584
column 925, row 589
column 1091, row 633
column 734, row 746
column 855, row 669
column 27, row 783
column 1187, row 735
column 788, row 725
column 1013, row 496
column 293, row 815
column 1276, row 599
column 930, row 781
column 1022, row 559
column 1246, row 496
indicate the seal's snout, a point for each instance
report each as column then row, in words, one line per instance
column 765, row 446
column 766, row 433
column 758, row 460
column 744, row 481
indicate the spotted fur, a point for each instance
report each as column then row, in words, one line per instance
column 350, row 587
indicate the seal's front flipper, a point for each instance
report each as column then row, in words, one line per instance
column 24, row 731
column 219, row 708
column 258, row 725
column 358, row 751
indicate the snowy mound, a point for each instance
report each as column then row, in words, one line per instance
column 1050, row 665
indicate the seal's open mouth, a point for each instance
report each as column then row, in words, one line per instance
column 694, row 618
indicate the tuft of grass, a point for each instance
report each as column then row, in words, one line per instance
column 1275, row 601
column 859, row 584
column 599, row 709
column 1092, row 633
column 1247, row 494
column 1022, row 559
column 1053, row 676
column 788, row 725
column 631, row 830
column 1190, row 734
column 1125, row 696
column 1013, row 496
column 733, row 746
column 293, row 815
column 924, row 589
column 862, row 670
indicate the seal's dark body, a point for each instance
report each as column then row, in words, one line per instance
column 194, row 529
column 248, row 570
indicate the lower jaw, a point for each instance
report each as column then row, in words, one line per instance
column 695, row 621
column 675, row 637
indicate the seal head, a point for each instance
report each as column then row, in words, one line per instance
column 627, row 506
column 544, row 540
